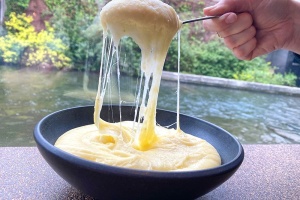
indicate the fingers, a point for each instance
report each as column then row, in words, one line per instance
column 245, row 51
column 238, row 39
column 221, row 23
column 229, row 24
column 217, row 9
column 242, row 43
column 243, row 22
column 237, row 31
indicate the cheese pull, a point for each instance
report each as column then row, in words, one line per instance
column 140, row 145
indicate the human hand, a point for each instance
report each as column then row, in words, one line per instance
column 258, row 28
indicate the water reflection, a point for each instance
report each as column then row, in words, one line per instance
column 252, row 117
column 28, row 95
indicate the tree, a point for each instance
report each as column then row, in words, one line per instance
column 77, row 24
column 2, row 13
column 39, row 11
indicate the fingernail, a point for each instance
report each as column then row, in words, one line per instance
column 231, row 18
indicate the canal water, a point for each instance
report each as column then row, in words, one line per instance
column 27, row 95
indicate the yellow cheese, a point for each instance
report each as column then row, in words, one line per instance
column 113, row 146
column 152, row 24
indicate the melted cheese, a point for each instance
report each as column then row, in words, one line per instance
column 172, row 152
column 152, row 24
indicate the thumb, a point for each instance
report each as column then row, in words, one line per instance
column 225, row 6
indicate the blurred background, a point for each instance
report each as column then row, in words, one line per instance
column 50, row 53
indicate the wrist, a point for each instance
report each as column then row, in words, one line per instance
column 294, row 44
column 295, row 11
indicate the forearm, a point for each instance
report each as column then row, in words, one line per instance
column 294, row 44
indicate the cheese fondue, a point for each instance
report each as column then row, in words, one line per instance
column 152, row 24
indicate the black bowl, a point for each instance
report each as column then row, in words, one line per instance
column 108, row 182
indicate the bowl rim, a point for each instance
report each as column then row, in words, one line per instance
column 90, row 165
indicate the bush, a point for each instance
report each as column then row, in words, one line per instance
column 16, row 6
column 22, row 45
column 210, row 59
column 214, row 59
column 75, row 23
column 265, row 74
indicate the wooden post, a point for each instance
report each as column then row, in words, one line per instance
column 2, row 11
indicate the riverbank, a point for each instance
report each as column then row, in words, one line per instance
column 230, row 83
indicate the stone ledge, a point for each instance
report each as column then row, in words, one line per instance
column 268, row 172
column 230, row 83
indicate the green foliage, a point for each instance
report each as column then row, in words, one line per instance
column 210, row 59
column 77, row 24
column 18, row 6
column 22, row 45
column 130, row 55
column 265, row 74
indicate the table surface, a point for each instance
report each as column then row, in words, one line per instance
column 268, row 172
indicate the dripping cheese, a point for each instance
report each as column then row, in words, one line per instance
column 152, row 24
